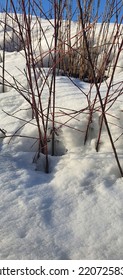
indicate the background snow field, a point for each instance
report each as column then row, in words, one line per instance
column 75, row 211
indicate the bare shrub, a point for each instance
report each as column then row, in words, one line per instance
column 85, row 55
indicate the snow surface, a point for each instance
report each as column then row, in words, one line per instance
column 75, row 211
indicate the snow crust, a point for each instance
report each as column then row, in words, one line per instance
column 75, row 211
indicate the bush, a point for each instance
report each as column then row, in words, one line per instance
column 86, row 55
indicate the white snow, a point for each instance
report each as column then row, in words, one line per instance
column 75, row 211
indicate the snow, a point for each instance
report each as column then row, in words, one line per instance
column 75, row 211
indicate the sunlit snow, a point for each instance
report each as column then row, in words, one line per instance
column 75, row 211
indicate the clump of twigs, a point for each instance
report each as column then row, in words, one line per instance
column 90, row 54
